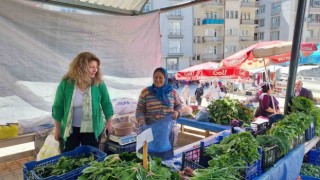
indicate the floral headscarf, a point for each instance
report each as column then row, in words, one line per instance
column 162, row 92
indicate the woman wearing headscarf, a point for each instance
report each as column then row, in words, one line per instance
column 266, row 108
column 157, row 101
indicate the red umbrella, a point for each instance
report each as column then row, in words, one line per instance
column 208, row 70
column 264, row 53
column 278, row 52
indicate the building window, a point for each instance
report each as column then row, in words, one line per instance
column 310, row 33
column 147, row 7
column 262, row 9
column 230, row 49
column 175, row 28
column 276, row 8
column 232, row 14
column 245, row 32
column 198, row 21
column 261, row 22
column 175, row 12
column 261, row 36
column 274, row 35
column 211, row 32
column 245, row 15
column 198, row 39
column 275, row 22
column 315, row 3
column 174, row 46
column 209, row 15
column 172, row 64
column 232, row 32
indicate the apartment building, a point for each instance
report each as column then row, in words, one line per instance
column 221, row 28
column 276, row 20
column 176, row 31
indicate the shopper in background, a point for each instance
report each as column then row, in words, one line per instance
column 185, row 93
column 80, row 99
column 266, row 108
column 157, row 101
column 214, row 92
column 301, row 91
column 199, row 93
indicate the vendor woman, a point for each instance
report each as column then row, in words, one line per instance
column 157, row 101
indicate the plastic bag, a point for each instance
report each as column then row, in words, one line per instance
column 202, row 115
column 124, row 105
column 161, row 131
column 50, row 148
column 186, row 111
column 8, row 131
column 176, row 129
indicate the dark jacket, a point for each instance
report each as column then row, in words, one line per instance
column 306, row 93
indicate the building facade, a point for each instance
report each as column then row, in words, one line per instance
column 276, row 20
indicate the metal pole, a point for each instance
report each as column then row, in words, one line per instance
column 295, row 52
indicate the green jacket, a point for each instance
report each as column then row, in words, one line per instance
column 99, row 95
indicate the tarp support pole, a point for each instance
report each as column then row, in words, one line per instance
column 301, row 8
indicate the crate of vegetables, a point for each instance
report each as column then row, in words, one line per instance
column 269, row 156
column 195, row 158
column 68, row 165
column 310, row 172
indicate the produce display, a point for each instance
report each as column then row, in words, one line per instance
column 127, row 166
column 283, row 145
column 230, row 158
column 310, row 170
column 302, row 104
column 222, row 111
column 64, row 165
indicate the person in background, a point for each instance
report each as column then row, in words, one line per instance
column 301, row 91
column 199, row 93
column 214, row 92
column 157, row 101
column 185, row 93
column 80, row 99
column 266, row 108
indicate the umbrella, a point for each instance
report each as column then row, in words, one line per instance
column 209, row 70
column 265, row 53
column 275, row 52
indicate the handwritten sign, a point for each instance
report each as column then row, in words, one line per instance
column 146, row 135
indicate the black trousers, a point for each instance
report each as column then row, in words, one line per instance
column 76, row 139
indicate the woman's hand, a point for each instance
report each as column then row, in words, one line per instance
column 175, row 114
column 56, row 133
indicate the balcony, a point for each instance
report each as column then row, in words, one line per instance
column 175, row 17
column 313, row 23
column 246, row 38
column 214, row 4
column 175, row 34
column 211, row 56
column 212, row 39
column 275, row 26
column 247, row 22
column 313, row 39
column 250, row 4
column 213, row 21
column 313, row 9
column 175, row 54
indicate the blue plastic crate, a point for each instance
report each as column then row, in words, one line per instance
column 28, row 167
column 314, row 156
column 311, row 131
column 255, row 169
column 303, row 177
column 195, row 159
column 112, row 147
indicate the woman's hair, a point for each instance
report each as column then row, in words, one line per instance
column 265, row 87
column 160, row 69
column 79, row 68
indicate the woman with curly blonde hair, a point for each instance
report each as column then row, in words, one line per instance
column 81, row 103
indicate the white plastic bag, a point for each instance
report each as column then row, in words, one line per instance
column 124, row 105
column 50, row 148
